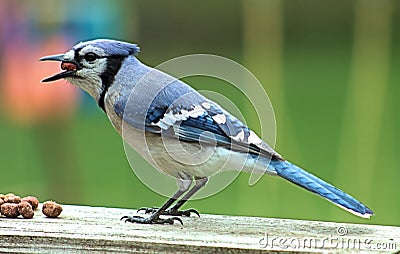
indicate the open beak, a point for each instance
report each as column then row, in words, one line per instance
column 69, row 67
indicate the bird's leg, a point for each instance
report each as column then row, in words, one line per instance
column 155, row 217
column 184, row 185
column 199, row 183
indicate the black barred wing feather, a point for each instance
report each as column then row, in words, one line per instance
column 227, row 130
column 203, row 122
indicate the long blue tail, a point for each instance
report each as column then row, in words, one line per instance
column 312, row 183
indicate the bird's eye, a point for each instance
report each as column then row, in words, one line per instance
column 90, row 57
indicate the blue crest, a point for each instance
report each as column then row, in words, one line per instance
column 111, row 47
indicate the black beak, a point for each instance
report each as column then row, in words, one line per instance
column 68, row 73
column 59, row 58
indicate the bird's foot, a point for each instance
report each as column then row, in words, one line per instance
column 171, row 212
column 151, row 220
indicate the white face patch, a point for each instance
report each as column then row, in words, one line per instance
column 92, row 49
column 89, row 75
column 69, row 56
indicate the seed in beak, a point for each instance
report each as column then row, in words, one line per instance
column 68, row 66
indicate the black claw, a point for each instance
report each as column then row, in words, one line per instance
column 177, row 219
column 186, row 213
column 147, row 210
column 141, row 209
column 151, row 220
column 170, row 212
column 189, row 211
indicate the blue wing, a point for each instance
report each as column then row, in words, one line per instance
column 193, row 118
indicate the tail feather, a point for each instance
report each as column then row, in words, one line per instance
column 314, row 184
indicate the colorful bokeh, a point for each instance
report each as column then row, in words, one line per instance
column 330, row 69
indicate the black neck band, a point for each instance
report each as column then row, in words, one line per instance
column 107, row 78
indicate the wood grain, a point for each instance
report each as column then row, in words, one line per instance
column 82, row 229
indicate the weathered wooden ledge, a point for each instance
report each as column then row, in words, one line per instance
column 82, row 229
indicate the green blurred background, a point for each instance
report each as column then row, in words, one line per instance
column 329, row 67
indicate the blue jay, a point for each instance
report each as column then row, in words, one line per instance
column 109, row 71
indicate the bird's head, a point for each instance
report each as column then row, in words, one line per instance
column 92, row 65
